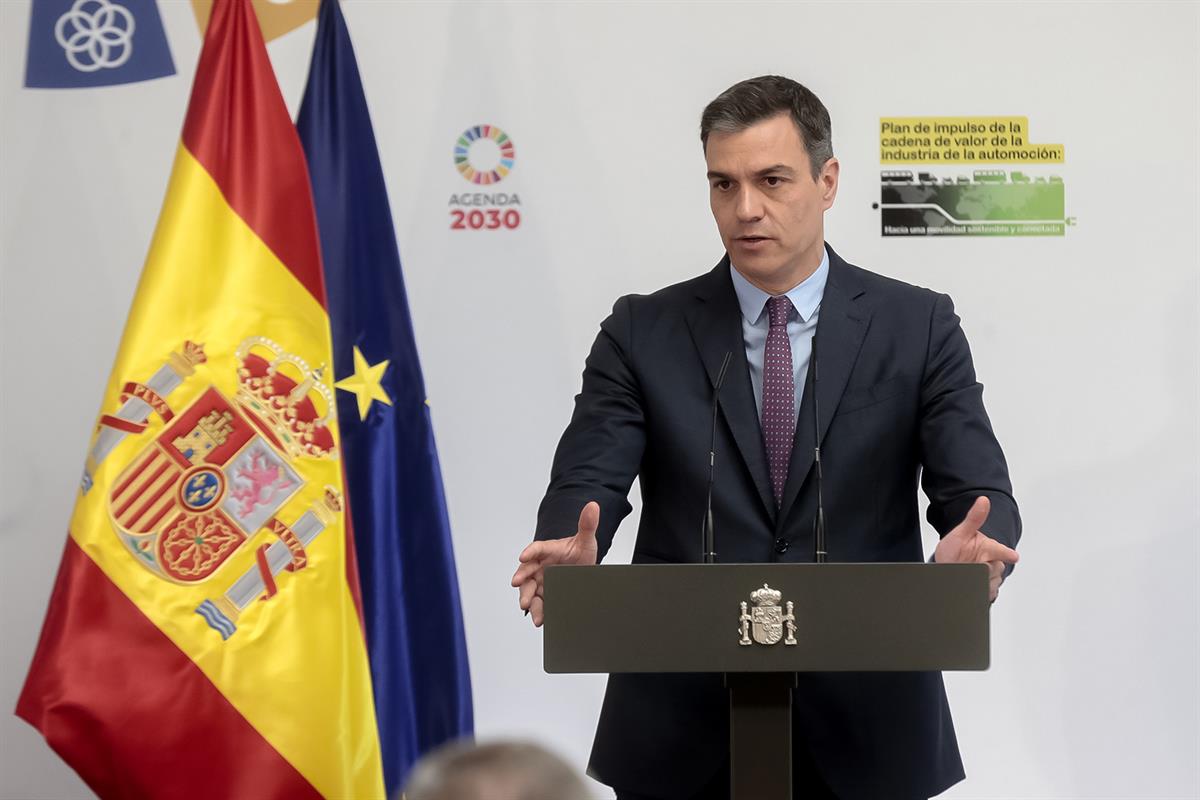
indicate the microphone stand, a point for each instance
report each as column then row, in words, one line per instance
column 708, row 547
column 819, row 519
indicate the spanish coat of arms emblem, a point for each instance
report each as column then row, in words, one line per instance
column 766, row 621
column 219, row 472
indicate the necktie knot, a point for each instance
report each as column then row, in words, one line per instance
column 778, row 309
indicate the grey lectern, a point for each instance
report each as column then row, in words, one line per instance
column 760, row 624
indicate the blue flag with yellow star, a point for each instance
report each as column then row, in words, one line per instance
column 410, row 596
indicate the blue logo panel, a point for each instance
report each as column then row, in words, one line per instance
column 80, row 43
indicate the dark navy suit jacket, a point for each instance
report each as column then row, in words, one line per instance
column 899, row 404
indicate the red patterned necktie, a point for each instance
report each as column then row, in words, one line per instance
column 778, row 395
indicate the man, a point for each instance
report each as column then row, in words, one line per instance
column 898, row 399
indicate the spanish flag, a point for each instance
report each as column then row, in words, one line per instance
column 203, row 638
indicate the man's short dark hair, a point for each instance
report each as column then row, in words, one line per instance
column 754, row 100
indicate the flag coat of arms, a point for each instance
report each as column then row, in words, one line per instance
column 204, row 638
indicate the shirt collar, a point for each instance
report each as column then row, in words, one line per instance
column 805, row 296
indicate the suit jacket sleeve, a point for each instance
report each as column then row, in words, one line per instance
column 960, row 456
column 601, row 449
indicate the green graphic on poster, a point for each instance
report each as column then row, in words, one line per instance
column 987, row 201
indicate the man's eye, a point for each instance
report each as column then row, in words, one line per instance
column 721, row 185
column 773, row 180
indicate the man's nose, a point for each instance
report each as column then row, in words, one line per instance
column 749, row 204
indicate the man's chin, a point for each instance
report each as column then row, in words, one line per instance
column 756, row 259
column 759, row 270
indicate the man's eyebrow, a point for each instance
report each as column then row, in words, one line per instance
column 774, row 169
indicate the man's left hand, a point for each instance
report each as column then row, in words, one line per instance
column 967, row 544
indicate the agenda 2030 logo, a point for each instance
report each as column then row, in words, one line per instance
column 484, row 155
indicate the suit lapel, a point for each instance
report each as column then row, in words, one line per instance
column 716, row 327
column 841, row 328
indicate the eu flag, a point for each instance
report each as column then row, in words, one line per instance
column 397, row 508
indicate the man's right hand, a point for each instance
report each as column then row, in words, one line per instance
column 577, row 549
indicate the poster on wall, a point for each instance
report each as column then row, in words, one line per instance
column 968, row 176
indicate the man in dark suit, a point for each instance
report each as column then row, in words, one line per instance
column 898, row 403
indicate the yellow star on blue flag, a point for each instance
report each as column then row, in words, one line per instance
column 365, row 383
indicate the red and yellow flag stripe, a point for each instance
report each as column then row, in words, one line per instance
column 133, row 687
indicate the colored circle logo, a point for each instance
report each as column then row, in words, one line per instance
column 484, row 154
column 202, row 488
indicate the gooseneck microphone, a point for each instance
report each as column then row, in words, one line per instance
column 708, row 546
column 819, row 519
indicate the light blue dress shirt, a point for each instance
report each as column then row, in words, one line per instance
column 802, row 324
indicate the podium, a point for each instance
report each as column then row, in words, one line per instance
column 760, row 624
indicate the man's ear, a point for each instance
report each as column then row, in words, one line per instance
column 829, row 182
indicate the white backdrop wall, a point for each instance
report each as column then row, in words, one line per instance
column 1088, row 344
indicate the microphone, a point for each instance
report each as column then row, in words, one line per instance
column 819, row 519
column 708, row 548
